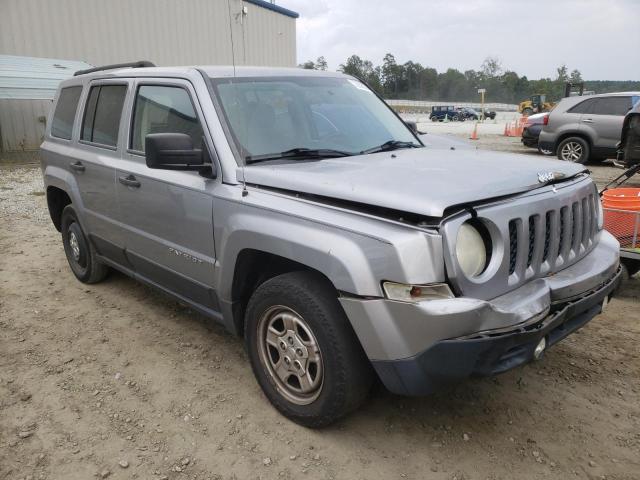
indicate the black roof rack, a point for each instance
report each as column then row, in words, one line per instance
column 138, row 64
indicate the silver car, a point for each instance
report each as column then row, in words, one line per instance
column 298, row 210
column 586, row 128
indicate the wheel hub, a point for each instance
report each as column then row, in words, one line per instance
column 75, row 246
column 572, row 151
column 291, row 355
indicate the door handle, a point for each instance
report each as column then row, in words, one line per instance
column 588, row 120
column 129, row 181
column 77, row 166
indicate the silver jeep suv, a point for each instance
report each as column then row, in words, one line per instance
column 297, row 209
column 580, row 129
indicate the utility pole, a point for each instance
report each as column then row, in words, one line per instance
column 482, row 91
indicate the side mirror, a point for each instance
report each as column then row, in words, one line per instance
column 172, row 151
column 413, row 126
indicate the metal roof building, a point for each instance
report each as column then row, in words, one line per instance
column 99, row 32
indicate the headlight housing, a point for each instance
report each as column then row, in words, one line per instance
column 402, row 292
column 473, row 248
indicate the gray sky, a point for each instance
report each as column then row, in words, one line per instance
column 601, row 38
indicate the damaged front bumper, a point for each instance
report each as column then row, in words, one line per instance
column 417, row 348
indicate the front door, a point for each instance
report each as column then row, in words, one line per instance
column 167, row 215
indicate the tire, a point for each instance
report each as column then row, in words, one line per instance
column 527, row 111
column 434, row 119
column 337, row 378
column 544, row 151
column 80, row 253
column 632, row 266
column 455, row 118
column 573, row 149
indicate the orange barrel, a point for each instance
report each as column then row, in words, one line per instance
column 622, row 224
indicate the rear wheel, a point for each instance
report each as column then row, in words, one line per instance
column 434, row 118
column 573, row 149
column 80, row 253
column 303, row 350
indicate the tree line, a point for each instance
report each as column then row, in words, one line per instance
column 412, row 81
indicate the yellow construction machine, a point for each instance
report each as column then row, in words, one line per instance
column 538, row 103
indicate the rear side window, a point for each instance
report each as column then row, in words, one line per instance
column 65, row 113
column 583, row 107
column 612, row 106
column 164, row 109
column 102, row 114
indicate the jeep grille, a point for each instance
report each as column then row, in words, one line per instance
column 566, row 233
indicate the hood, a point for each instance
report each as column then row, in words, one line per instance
column 423, row 181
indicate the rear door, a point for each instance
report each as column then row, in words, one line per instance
column 93, row 161
column 605, row 121
column 167, row 215
column 572, row 118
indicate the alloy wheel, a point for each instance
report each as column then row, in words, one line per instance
column 571, row 151
column 291, row 354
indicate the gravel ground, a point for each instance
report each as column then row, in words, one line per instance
column 115, row 380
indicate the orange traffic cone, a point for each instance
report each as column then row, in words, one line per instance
column 474, row 134
column 506, row 129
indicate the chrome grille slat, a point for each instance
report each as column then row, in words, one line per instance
column 577, row 227
column 586, row 221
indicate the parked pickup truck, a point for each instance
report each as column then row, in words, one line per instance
column 298, row 210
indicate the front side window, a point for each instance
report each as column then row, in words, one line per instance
column 612, row 106
column 65, row 114
column 268, row 115
column 164, row 109
column 103, row 113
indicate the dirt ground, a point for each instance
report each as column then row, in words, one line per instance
column 116, row 380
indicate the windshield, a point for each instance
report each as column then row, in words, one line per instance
column 269, row 115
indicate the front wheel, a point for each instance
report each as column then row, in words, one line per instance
column 573, row 149
column 632, row 266
column 545, row 151
column 434, row 119
column 303, row 350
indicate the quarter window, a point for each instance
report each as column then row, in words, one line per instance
column 102, row 114
column 164, row 109
column 63, row 117
column 583, row 107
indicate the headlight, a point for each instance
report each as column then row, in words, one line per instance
column 471, row 250
column 402, row 292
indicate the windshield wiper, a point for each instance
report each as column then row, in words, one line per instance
column 390, row 145
column 298, row 153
